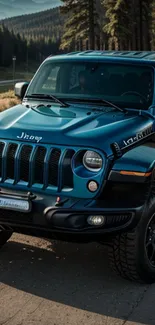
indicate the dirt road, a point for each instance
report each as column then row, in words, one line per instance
column 53, row 283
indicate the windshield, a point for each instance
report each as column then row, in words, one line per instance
column 122, row 84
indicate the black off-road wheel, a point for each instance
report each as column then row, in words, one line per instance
column 4, row 236
column 132, row 254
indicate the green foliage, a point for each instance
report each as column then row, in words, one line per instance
column 81, row 23
column 30, row 37
column 46, row 24
column 153, row 25
column 10, row 45
column 118, row 22
column 78, row 25
column 128, row 23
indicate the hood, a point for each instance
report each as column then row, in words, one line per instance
column 74, row 126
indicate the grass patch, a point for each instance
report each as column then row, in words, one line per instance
column 8, row 100
column 8, row 94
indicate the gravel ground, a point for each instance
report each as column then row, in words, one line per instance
column 56, row 283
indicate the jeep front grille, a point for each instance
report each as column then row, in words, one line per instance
column 34, row 164
column 53, row 167
column 24, row 163
column 1, row 153
column 11, row 151
column 39, row 165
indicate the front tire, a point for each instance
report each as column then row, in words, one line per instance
column 132, row 254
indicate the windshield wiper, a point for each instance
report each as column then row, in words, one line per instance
column 111, row 104
column 43, row 96
column 99, row 100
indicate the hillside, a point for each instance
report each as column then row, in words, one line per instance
column 46, row 24
column 31, row 38
column 10, row 8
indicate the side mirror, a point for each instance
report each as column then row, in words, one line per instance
column 20, row 89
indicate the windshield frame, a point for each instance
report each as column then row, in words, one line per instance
column 67, row 97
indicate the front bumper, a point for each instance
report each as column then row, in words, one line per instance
column 68, row 219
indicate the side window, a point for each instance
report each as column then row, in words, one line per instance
column 51, row 82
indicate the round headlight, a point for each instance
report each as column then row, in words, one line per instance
column 92, row 161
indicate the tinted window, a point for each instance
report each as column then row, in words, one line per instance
column 126, row 85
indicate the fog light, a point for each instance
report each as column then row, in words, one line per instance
column 96, row 220
column 92, row 186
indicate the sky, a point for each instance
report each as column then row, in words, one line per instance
column 10, row 8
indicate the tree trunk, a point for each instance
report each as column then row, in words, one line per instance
column 141, row 24
column 87, row 45
column 91, row 25
column 133, row 43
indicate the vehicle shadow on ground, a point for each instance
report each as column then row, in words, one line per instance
column 72, row 274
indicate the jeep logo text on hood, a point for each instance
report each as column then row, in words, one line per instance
column 29, row 137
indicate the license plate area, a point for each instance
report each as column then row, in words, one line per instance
column 16, row 203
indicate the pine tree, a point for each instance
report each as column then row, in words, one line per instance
column 142, row 17
column 81, row 23
column 117, row 25
column 153, row 25
column 128, row 24
column 147, row 23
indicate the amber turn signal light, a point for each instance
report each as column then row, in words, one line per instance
column 132, row 173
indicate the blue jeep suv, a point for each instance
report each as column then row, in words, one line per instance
column 77, row 156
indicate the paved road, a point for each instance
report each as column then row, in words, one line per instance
column 53, row 283
column 8, row 82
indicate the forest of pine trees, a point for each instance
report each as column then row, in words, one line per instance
column 79, row 25
column 116, row 24
column 31, row 38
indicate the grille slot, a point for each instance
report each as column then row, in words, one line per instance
column 39, row 165
column 10, row 166
column 1, row 154
column 53, row 167
column 67, row 177
column 24, row 163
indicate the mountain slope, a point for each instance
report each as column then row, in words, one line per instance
column 11, row 8
column 46, row 24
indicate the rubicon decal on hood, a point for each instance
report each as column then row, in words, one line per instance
column 25, row 136
column 139, row 136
